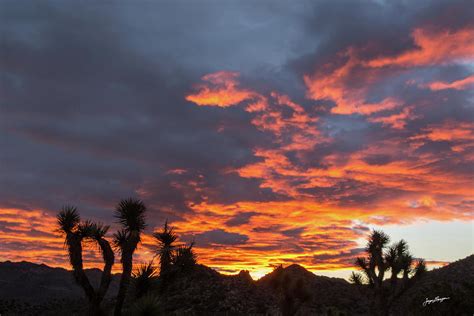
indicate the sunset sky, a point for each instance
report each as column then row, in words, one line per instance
column 267, row 131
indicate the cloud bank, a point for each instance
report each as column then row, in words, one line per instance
column 267, row 132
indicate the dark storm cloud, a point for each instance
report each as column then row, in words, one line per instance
column 230, row 188
column 103, row 114
column 266, row 229
column 240, row 219
column 338, row 24
column 218, row 237
column 378, row 159
column 383, row 25
column 294, row 232
column 93, row 81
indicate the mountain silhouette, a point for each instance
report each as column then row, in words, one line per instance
column 36, row 289
column 455, row 281
column 38, row 282
column 303, row 292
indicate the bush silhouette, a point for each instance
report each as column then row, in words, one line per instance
column 145, row 279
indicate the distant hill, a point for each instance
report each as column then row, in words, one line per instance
column 455, row 281
column 38, row 282
column 32, row 289
column 204, row 290
column 37, row 289
column 301, row 292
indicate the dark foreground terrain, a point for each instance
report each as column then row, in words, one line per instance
column 31, row 289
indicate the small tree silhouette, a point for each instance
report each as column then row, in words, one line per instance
column 166, row 244
column 380, row 259
column 166, row 239
column 144, row 279
column 184, row 257
column 174, row 258
column 131, row 215
column 75, row 234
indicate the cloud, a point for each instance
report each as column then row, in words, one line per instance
column 346, row 259
column 270, row 132
column 457, row 84
column 432, row 47
column 224, row 91
column 294, row 232
column 217, row 237
column 240, row 219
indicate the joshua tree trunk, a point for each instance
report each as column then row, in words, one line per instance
column 75, row 255
column 70, row 225
column 94, row 308
column 94, row 298
column 131, row 215
column 124, row 282
column 127, row 264
column 106, row 278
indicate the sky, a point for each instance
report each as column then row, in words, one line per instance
column 269, row 132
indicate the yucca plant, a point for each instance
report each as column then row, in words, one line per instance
column 130, row 214
column 75, row 233
column 166, row 239
column 146, row 306
column 184, row 257
column 381, row 258
column 144, row 279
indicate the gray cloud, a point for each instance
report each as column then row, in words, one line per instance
column 240, row 219
column 217, row 237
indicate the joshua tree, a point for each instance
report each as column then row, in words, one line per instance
column 166, row 239
column 173, row 258
column 380, row 259
column 131, row 215
column 76, row 233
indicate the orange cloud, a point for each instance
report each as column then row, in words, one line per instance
column 347, row 79
column 433, row 47
column 397, row 121
column 222, row 90
column 334, row 81
column 323, row 210
column 457, row 85
column 330, row 83
column 448, row 131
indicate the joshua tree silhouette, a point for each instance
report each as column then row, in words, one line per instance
column 174, row 259
column 381, row 258
column 75, row 233
column 131, row 215
column 166, row 244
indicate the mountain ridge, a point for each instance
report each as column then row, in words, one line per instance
column 26, row 288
